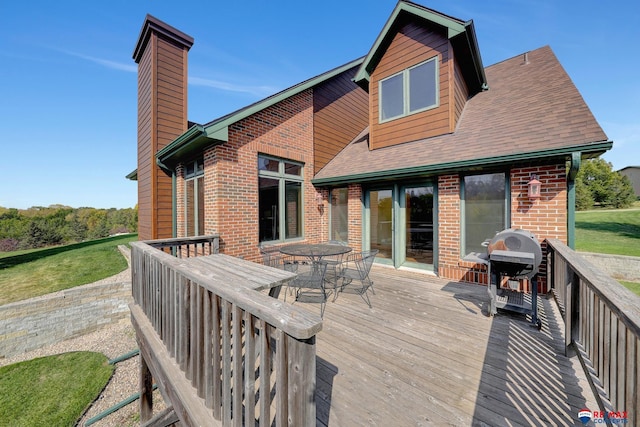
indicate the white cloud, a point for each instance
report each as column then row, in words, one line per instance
column 260, row 91
column 114, row 65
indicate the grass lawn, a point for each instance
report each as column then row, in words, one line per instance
column 609, row 231
column 614, row 232
column 38, row 272
column 53, row 390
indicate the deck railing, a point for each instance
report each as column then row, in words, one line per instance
column 602, row 324
column 186, row 247
column 220, row 351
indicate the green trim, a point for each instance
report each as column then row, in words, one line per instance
column 217, row 131
column 192, row 141
column 574, row 167
column 458, row 166
column 455, row 27
column 133, row 175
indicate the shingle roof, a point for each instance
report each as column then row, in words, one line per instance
column 530, row 111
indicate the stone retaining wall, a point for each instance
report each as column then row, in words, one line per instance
column 48, row 319
column 31, row 324
column 620, row 267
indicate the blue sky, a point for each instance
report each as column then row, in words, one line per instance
column 68, row 82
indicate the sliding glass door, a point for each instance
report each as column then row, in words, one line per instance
column 381, row 222
column 417, row 209
column 400, row 224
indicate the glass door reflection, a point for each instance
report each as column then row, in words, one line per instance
column 418, row 204
column 381, row 222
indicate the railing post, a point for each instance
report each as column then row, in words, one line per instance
column 146, row 391
column 302, row 381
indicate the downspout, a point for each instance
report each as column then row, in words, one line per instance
column 574, row 167
column 174, row 204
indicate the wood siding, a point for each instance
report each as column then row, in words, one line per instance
column 162, row 117
column 461, row 93
column 145, row 149
column 340, row 113
column 412, row 45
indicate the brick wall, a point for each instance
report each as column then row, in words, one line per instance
column 545, row 217
column 449, row 227
column 354, row 209
column 284, row 130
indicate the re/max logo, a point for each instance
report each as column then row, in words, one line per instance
column 610, row 417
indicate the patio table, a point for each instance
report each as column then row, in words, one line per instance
column 314, row 251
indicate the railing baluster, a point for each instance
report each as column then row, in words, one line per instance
column 249, row 370
column 216, row 363
column 265, row 374
column 282, row 389
column 207, row 373
column 237, row 366
column 226, row 363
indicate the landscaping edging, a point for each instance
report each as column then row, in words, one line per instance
column 620, row 267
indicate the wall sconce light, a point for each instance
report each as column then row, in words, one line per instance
column 534, row 187
column 319, row 200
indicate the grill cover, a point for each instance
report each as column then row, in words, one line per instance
column 518, row 243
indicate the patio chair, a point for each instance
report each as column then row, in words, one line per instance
column 271, row 257
column 309, row 285
column 357, row 268
column 334, row 263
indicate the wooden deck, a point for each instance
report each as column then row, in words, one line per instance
column 427, row 354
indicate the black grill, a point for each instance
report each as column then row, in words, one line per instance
column 516, row 254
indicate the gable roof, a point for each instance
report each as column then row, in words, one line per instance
column 461, row 34
column 197, row 137
column 531, row 112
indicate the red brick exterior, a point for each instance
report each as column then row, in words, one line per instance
column 545, row 217
column 284, row 130
column 355, row 216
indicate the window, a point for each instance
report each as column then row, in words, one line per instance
column 339, row 225
column 485, row 209
column 194, row 198
column 279, row 199
column 410, row 91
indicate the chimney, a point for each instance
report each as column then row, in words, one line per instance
column 161, row 55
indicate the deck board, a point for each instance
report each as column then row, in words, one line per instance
column 427, row 354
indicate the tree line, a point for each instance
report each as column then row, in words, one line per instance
column 598, row 185
column 39, row 226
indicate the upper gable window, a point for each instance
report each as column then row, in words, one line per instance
column 409, row 91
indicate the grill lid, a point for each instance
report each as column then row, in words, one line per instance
column 516, row 252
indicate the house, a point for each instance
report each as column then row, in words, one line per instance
column 633, row 173
column 416, row 149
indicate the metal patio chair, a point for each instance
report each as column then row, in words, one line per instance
column 309, row 285
column 356, row 269
column 334, row 264
column 271, row 257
